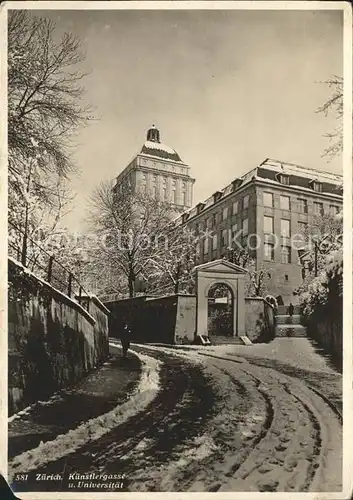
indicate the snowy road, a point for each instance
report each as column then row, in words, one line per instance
column 226, row 418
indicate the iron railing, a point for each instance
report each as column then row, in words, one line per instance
column 43, row 264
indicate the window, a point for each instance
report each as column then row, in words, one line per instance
column 205, row 246
column 174, row 198
column 197, row 228
column 285, row 255
column 318, row 208
column 225, row 213
column 144, row 183
column 245, row 227
column 286, row 277
column 334, row 210
column 303, row 230
column 234, row 230
column 302, row 206
column 154, row 186
column 283, row 179
column 224, row 240
column 214, row 242
column 235, row 208
column 183, row 191
column 245, row 202
column 285, row 202
column 214, row 220
column 285, row 228
column 164, row 189
column 269, row 251
column 317, row 186
column 197, row 249
column 268, row 224
column 268, row 199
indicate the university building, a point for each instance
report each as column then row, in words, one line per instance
column 159, row 172
column 270, row 204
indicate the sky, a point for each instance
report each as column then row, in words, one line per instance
column 226, row 89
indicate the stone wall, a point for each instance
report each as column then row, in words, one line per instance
column 328, row 333
column 101, row 326
column 172, row 319
column 52, row 340
column 167, row 320
column 259, row 319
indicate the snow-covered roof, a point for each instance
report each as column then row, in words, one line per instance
column 298, row 170
column 266, row 172
column 160, row 150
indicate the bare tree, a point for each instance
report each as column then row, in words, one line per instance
column 323, row 236
column 334, row 105
column 239, row 256
column 44, row 93
column 257, row 282
column 44, row 111
column 172, row 266
column 132, row 231
column 257, row 278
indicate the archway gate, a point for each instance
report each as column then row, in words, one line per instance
column 220, row 272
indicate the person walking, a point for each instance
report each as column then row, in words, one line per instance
column 290, row 309
column 125, row 338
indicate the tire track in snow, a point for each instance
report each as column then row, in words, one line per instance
column 304, row 461
column 148, row 440
column 93, row 429
column 315, row 460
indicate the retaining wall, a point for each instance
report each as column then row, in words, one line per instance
column 328, row 333
column 52, row 340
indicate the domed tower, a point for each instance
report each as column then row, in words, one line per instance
column 159, row 172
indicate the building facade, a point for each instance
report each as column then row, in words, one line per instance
column 268, row 209
column 158, row 171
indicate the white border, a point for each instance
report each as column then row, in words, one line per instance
column 348, row 269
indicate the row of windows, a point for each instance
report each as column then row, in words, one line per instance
column 228, row 235
column 163, row 192
column 269, row 248
column 315, row 185
column 285, row 204
column 269, row 253
column 269, row 226
column 216, row 218
column 285, row 229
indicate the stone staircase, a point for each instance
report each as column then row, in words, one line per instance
column 289, row 326
column 220, row 340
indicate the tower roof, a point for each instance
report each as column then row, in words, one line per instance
column 154, row 147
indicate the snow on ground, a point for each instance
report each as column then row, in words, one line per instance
column 286, row 439
column 93, row 429
column 52, row 400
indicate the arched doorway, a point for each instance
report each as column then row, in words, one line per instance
column 220, row 271
column 220, row 310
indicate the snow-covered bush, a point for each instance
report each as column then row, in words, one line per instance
column 272, row 300
column 324, row 294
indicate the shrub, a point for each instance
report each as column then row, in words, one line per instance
column 324, row 294
column 272, row 300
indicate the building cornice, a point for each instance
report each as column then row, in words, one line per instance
column 162, row 160
column 177, row 175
